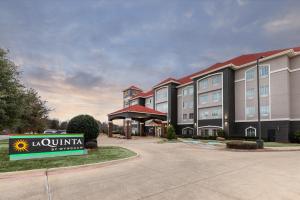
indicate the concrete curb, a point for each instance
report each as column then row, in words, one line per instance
column 59, row 170
column 269, row 149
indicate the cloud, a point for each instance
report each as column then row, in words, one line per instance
column 85, row 80
column 286, row 23
column 80, row 56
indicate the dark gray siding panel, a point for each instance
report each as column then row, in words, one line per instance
column 180, row 127
column 281, row 128
column 210, row 122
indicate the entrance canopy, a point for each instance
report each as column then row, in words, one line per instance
column 137, row 113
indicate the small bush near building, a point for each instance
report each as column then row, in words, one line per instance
column 221, row 133
column 91, row 145
column 241, row 145
column 171, row 133
column 85, row 124
column 296, row 137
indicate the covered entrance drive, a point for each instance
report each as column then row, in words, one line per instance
column 138, row 113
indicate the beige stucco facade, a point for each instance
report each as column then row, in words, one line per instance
column 284, row 92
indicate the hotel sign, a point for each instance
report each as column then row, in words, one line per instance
column 40, row 146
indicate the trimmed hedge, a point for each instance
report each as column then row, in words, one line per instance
column 85, row 124
column 241, row 145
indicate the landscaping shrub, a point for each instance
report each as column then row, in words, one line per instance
column 297, row 136
column 85, row 124
column 241, row 145
column 221, row 133
column 171, row 133
column 91, row 145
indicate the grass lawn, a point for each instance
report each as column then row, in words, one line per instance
column 94, row 156
column 3, row 143
column 278, row 144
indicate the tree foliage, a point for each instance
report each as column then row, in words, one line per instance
column 21, row 109
column 171, row 133
column 85, row 124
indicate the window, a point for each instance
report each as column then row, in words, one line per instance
column 250, row 111
column 263, row 71
column 134, row 102
column 149, row 103
column 161, row 95
column 187, row 131
column 191, row 116
column 216, row 96
column 185, row 91
column 216, row 80
column 203, row 83
column 187, row 104
column 184, row 116
column 203, row 114
column 188, row 91
column 250, row 74
column 264, row 91
column 203, row 99
column 250, row 132
column 264, row 110
column 250, row 93
column 162, row 107
column 216, row 113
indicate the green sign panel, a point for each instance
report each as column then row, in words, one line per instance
column 40, row 146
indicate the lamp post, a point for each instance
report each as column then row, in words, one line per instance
column 259, row 142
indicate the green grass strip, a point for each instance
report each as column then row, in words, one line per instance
column 46, row 154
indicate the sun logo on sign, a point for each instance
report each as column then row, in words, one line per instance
column 21, row 145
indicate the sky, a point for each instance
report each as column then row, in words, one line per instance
column 80, row 55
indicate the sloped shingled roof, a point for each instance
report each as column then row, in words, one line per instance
column 133, row 87
column 237, row 61
column 138, row 109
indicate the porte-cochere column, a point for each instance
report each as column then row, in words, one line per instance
column 128, row 128
column 110, row 128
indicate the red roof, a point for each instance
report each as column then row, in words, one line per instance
column 167, row 80
column 138, row 109
column 239, row 60
column 133, row 87
column 143, row 94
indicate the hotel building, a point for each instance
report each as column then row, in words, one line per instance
column 224, row 97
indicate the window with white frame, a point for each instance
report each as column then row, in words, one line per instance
column 250, row 111
column 188, row 91
column 250, row 74
column 263, row 71
column 161, row 95
column 187, row 131
column 184, row 116
column 203, row 84
column 188, row 104
column 216, row 96
column 250, row 93
column 203, row 99
column 203, row 114
column 162, row 107
column 250, row 132
column 216, row 113
column 191, row 116
column 216, row 80
column 264, row 90
column 264, row 110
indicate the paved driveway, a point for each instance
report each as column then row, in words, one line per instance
column 170, row 171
